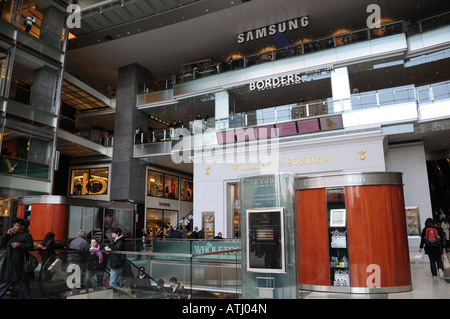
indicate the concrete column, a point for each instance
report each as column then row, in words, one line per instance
column 43, row 89
column 128, row 174
column 223, row 106
column 52, row 26
column 340, row 87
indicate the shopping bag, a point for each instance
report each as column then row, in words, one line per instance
column 445, row 260
column 418, row 258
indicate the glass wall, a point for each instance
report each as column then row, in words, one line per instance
column 168, row 186
column 25, row 154
column 98, row 222
column 171, row 186
column 89, row 181
column 186, row 187
column 155, row 184
column 157, row 219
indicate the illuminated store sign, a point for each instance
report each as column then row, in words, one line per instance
column 276, row 82
column 272, row 29
column 290, row 79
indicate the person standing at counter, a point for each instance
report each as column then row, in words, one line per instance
column 432, row 248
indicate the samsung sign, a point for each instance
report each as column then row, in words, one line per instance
column 272, row 29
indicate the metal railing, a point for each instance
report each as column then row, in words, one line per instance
column 290, row 112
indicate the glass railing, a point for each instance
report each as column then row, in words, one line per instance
column 68, row 274
column 23, row 93
column 309, row 46
column 317, row 108
column 97, row 136
column 429, row 24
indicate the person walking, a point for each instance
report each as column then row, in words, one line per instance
column 117, row 260
column 18, row 242
column 430, row 239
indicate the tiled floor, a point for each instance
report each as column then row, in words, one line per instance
column 424, row 287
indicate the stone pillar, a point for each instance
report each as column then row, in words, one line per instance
column 52, row 26
column 128, row 174
column 43, row 89
column 340, row 87
column 224, row 104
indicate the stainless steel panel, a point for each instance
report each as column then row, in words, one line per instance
column 349, row 179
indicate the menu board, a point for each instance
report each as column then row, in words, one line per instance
column 265, row 249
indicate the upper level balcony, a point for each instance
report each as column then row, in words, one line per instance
column 397, row 39
column 391, row 107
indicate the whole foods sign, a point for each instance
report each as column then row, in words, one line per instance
column 272, row 29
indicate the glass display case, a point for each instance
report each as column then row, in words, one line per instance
column 208, row 224
column 337, row 235
column 155, row 182
column 412, row 220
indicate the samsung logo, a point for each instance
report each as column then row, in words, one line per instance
column 272, row 29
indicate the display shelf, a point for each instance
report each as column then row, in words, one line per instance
column 338, row 241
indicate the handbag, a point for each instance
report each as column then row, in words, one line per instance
column 30, row 263
column 445, row 260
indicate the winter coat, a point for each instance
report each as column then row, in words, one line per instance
column 118, row 260
column 13, row 261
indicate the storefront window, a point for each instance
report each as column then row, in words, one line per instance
column 171, row 186
column 89, row 181
column 99, row 222
column 186, row 189
column 155, row 184
column 158, row 220
column 25, row 154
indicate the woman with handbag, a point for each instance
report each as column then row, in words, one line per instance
column 18, row 243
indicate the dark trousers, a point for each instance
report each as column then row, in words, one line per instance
column 23, row 285
column 435, row 259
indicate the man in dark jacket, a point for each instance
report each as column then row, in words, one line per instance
column 17, row 242
column 117, row 260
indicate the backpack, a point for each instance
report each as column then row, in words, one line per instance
column 431, row 237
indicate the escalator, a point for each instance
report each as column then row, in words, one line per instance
column 208, row 275
column 63, row 276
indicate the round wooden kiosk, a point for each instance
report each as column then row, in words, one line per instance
column 65, row 216
column 352, row 233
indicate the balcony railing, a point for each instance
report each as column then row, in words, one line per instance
column 318, row 109
column 95, row 135
column 207, row 68
column 313, row 45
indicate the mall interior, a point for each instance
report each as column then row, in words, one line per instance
column 267, row 123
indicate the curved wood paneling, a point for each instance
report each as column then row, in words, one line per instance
column 313, row 261
column 49, row 218
column 375, row 235
column 401, row 239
